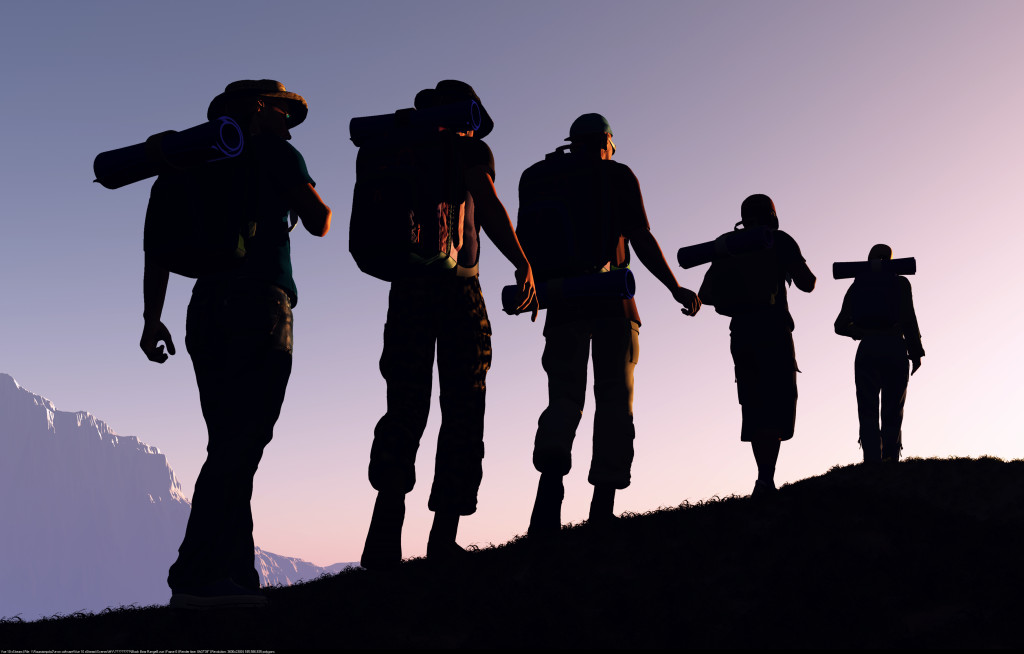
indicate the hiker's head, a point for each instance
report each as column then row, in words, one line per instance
column 591, row 135
column 880, row 251
column 451, row 91
column 260, row 106
column 758, row 210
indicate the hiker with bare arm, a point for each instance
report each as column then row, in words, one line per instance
column 751, row 289
column 435, row 302
column 579, row 212
column 238, row 331
column 878, row 311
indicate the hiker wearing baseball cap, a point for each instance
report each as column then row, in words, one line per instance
column 238, row 333
column 579, row 212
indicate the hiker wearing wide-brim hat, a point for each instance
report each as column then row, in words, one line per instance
column 449, row 91
column 434, row 309
column 259, row 88
column 238, row 212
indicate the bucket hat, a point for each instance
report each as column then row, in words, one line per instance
column 260, row 88
column 452, row 90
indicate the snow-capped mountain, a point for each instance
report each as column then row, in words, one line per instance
column 90, row 519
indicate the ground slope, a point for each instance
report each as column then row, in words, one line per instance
column 925, row 553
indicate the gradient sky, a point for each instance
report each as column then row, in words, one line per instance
column 866, row 122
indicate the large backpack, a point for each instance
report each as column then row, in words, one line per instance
column 743, row 283
column 408, row 206
column 199, row 219
column 566, row 222
column 875, row 301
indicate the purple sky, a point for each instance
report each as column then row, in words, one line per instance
column 867, row 122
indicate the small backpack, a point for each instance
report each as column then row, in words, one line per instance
column 565, row 223
column 744, row 282
column 199, row 219
column 408, row 206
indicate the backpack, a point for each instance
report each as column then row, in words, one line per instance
column 743, row 282
column 566, row 220
column 408, row 206
column 875, row 301
column 199, row 219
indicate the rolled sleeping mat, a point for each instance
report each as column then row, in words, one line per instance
column 739, row 241
column 217, row 139
column 616, row 283
column 848, row 269
column 408, row 123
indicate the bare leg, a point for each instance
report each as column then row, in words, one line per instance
column 766, row 454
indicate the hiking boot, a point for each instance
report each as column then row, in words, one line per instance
column 546, row 519
column 446, row 553
column 383, row 547
column 763, row 490
column 220, row 594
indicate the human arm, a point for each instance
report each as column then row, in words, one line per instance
column 314, row 214
column 154, row 290
column 638, row 230
column 651, row 256
column 909, row 326
column 803, row 277
column 793, row 263
column 494, row 220
column 844, row 321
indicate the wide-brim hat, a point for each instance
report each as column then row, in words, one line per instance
column 452, row 90
column 260, row 88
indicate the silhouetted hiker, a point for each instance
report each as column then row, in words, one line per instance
column 578, row 212
column 442, row 309
column 751, row 289
column 239, row 335
column 878, row 311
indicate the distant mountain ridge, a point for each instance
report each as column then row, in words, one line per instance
column 91, row 519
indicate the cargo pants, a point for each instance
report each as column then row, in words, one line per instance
column 567, row 351
column 446, row 313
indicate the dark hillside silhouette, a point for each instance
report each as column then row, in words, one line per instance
column 923, row 554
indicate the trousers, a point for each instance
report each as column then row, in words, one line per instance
column 239, row 336
column 881, row 369
column 567, row 350
column 447, row 313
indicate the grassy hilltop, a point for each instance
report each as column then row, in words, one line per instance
column 926, row 553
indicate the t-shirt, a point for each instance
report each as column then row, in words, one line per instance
column 266, row 171
column 576, row 217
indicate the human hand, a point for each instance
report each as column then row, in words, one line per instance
column 916, row 364
column 527, row 292
column 152, row 333
column 684, row 296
